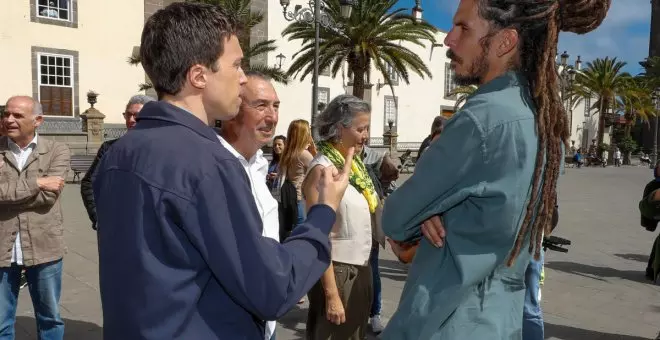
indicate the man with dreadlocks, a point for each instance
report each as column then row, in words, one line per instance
column 490, row 178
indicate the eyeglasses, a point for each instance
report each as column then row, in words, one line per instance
column 128, row 115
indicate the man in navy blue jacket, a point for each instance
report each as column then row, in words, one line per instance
column 180, row 241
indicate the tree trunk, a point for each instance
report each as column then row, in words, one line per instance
column 626, row 157
column 358, row 83
column 601, row 121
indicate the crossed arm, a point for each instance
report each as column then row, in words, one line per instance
column 34, row 192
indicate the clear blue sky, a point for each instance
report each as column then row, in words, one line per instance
column 624, row 33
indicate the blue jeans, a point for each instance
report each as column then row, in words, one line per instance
column 532, row 314
column 45, row 285
column 301, row 213
column 375, row 273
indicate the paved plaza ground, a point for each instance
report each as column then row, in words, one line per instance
column 595, row 291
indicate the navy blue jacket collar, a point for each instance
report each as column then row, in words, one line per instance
column 166, row 112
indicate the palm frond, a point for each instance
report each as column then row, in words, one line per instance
column 134, row 60
column 371, row 36
column 145, row 86
column 276, row 74
column 259, row 48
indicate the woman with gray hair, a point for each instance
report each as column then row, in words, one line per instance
column 340, row 303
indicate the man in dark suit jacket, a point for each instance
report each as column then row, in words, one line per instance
column 176, row 209
column 130, row 114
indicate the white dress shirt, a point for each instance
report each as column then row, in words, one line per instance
column 21, row 155
column 257, row 169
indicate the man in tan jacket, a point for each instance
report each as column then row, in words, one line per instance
column 32, row 173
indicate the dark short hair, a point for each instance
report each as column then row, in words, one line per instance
column 279, row 137
column 438, row 123
column 436, row 131
column 179, row 36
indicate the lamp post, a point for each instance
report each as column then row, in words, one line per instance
column 280, row 57
column 313, row 14
column 567, row 77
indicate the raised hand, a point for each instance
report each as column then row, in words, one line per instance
column 333, row 183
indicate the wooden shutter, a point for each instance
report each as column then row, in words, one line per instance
column 57, row 101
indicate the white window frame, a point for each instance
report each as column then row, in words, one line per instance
column 72, row 82
column 391, row 75
column 325, row 90
column 587, row 107
column 396, row 113
column 70, row 12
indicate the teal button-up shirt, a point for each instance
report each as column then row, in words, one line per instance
column 478, row 177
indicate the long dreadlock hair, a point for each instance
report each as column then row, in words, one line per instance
column 538, row 23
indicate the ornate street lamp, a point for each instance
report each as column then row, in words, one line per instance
column 280, row 57
column 313, row 14
column 417, row 11
column 346, row 7
column 564, row 58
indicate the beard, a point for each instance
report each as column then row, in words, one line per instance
column 475, row 73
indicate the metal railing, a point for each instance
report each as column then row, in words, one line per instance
column 113, row 133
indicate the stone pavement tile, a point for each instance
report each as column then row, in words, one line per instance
column 82, row 268
column 598, row 290
column 81, row 300
column 73, row 329
column 83, row 243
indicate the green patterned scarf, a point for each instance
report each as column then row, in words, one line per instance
column 359, row 177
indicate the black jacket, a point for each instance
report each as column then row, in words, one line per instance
column 86, row 183
column 288, row 209
column 425, row 144
column 649, row 223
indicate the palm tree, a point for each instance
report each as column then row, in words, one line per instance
column 247, row 19
column 635, row 102
column 372, row 35
column 604, row 80
column 652, row 71
column 462, row 93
